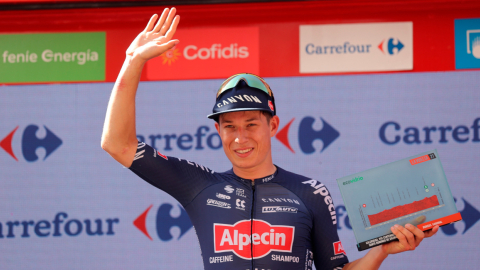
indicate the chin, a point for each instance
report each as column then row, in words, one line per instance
column 244, row 164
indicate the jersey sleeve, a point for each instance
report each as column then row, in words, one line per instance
column 328, row 252
column 180, row 178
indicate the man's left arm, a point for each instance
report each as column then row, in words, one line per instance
column 409, row 238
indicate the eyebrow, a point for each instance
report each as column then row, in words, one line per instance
column 248, row 120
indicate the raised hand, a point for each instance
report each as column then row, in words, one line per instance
column 156, row 38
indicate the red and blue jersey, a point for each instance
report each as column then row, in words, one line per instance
column 281, row 221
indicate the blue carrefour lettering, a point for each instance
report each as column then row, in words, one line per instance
column 184, row 141
column 199, row 136
column 345, row 48
column 310, row 48
column 306, row 135
column 383, row 128
column 210, row 141
column 411, row 135
column 41, row 225
column 77, row 228
column 44, row 228
column 185, row 138
column 30, row 143
column 415, row 135
column 165, row 222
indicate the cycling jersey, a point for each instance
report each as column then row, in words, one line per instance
column 281, row 221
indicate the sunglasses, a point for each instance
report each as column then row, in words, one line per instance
column 251, row 80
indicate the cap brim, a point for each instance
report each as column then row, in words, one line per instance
column 213, row 115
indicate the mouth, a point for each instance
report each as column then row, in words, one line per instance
column 243, row 152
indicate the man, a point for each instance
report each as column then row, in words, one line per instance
column 256, row 215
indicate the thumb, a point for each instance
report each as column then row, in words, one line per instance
column 169, row 45
column 418, row 220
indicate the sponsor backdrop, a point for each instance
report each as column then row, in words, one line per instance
column 67, row 205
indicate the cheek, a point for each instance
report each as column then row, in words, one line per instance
column 226, row 139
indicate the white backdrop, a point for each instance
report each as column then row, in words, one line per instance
column 80, row 180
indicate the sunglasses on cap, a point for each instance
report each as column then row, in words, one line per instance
column 251, row 80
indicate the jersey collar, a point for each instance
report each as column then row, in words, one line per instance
column 258, row 181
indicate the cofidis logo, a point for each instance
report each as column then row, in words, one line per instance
column 356, row 47
column 208, row 53
column 467, row 43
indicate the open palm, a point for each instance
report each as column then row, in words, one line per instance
column 156, row 38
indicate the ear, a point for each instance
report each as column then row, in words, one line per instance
column 274, row 124
column 217, row 126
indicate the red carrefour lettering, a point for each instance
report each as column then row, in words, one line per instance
column 238, row 238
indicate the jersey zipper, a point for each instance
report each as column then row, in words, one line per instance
column 251, row 221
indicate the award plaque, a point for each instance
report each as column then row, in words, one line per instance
column 412, row 190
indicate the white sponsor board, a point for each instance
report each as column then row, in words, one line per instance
column 356, row 47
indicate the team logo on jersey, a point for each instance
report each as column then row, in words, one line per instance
column 160, row 155
column 220, row 204
column 280, row 200
column 241, row 192
column 240, row 204
column 229, row 189
column 223, row 196
column 338, row 248
column 279, row 209
column 139, row 153
column 270, row 105
column 322, row 190
column 237, row 238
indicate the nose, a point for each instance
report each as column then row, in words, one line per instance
column 241, row 136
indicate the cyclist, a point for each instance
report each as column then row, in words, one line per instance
column 256, row 215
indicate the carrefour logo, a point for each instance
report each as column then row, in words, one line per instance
column 356, row 47
column 61, row 225
column 30, row 143
column 307, row 135
column 202, row 138
column 164, row 222
column 389, row 46
column 391, row 133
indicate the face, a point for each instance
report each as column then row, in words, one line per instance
column 246, row 138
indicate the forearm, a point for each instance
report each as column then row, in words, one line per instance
column 119, row 133
column 372, row 260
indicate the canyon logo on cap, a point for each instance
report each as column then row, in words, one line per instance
column 243, row 92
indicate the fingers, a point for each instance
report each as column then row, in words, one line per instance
column 419, row 234
column 166, row 25
column 432, row 232
column 406, row 238
column 173, row 28
column 161, row 21
column 151, row 23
